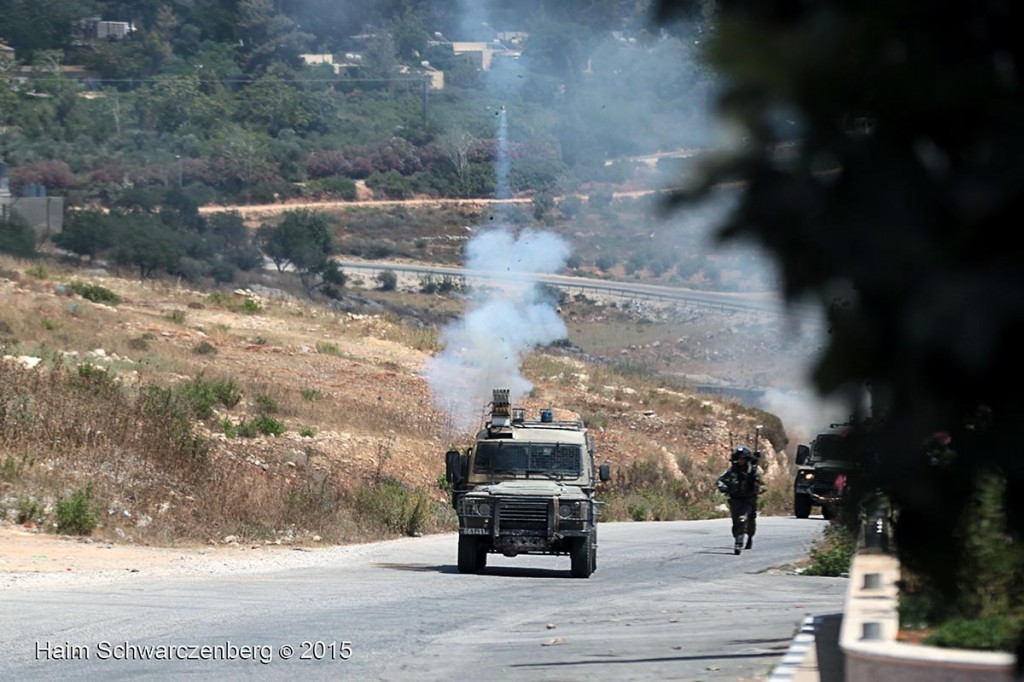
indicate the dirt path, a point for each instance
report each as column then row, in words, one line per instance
column 31, row 551
column 273, row 209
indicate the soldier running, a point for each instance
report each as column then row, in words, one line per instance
column 742, row 483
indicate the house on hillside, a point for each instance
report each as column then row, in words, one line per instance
column 6, row 51
column 314, row 59
column 435, row 77
column 95, row 28
column 506, row 45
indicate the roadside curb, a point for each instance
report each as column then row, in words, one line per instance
column 786, row 669
column 871, row 624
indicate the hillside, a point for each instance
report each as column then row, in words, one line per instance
column 363, row 448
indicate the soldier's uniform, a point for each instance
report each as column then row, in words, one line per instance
column 742, row 483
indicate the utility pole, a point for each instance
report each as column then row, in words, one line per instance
column 426, row 89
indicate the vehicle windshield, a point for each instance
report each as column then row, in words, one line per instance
column 834, row 448
column 551, row 460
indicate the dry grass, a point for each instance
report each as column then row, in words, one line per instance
column 352, row 380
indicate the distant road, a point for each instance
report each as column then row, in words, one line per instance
column 762, row 303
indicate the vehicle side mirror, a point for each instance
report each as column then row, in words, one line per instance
column 453, row 467
column 803, row 453
column 604, row 472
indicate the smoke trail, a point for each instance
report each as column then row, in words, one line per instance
column 485, row 348
column 502, row 189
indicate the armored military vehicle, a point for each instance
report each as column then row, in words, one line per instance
column 526, row 487
column 821, row 472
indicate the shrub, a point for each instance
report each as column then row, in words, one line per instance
column 18, row 238
column 220, row 298
column 94, row 378
column 832, row 555
column 36, row 271
column 95, row 293
column 387, row 280
column 571, row 206
column 78, row 514
column 389, row 504
column 251, row 307
column 311, row 394
column 200, row 395
column 307, row 432
column 334, row 184
column 204, row 348
column 261, row 424
column 266, row 405
column 27, row 509
column 327, row 348
column 995, row 633
column 605, row 262
column 12, row 467
column 138, row 343
column 230, row 430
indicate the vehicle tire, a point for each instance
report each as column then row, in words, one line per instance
column 582, row 557
column 801, row 506
column 827, row 512
column 481, row 557
column 469, row 554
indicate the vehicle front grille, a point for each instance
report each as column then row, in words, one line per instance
column 825, row 478
column 524, row 513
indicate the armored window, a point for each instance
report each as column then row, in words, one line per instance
column 528, row 458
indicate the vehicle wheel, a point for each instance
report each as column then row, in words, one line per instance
column 827, row 512
column 582, row 557
column 481, row 557
column 469, row 554
column 801, row 506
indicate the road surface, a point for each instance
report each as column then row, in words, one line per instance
column 669, row 601
column 768, row 302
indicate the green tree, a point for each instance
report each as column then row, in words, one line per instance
column 173, row 103
column 232, row 241
column 272, row 103
column 17, row 237
column 86, row 232
column 267, row 36
column 143, row 241
column 302, row 242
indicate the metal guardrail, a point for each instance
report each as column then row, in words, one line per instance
column 713, row 300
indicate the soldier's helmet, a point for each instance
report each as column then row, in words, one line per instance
column 741, row 453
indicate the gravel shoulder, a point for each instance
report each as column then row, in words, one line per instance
column 30, row 556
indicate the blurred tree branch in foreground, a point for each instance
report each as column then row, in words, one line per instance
column 881, row 151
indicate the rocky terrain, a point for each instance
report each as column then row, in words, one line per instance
column 348, row 388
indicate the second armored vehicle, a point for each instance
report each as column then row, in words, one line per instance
column 821, row 472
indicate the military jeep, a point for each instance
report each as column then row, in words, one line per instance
column 821, row 471
column 526, row 487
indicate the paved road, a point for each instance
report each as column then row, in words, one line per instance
column 770, row 302
column 669, row 602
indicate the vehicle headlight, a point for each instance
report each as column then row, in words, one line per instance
column 476, row 507
column 569, row 510
column 809, row 476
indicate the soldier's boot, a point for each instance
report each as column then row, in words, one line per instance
column 739, row 544
column 750, row 543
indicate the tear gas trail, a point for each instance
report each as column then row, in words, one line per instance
column 485, row 348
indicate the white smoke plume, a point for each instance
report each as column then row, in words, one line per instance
column 509, row 316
